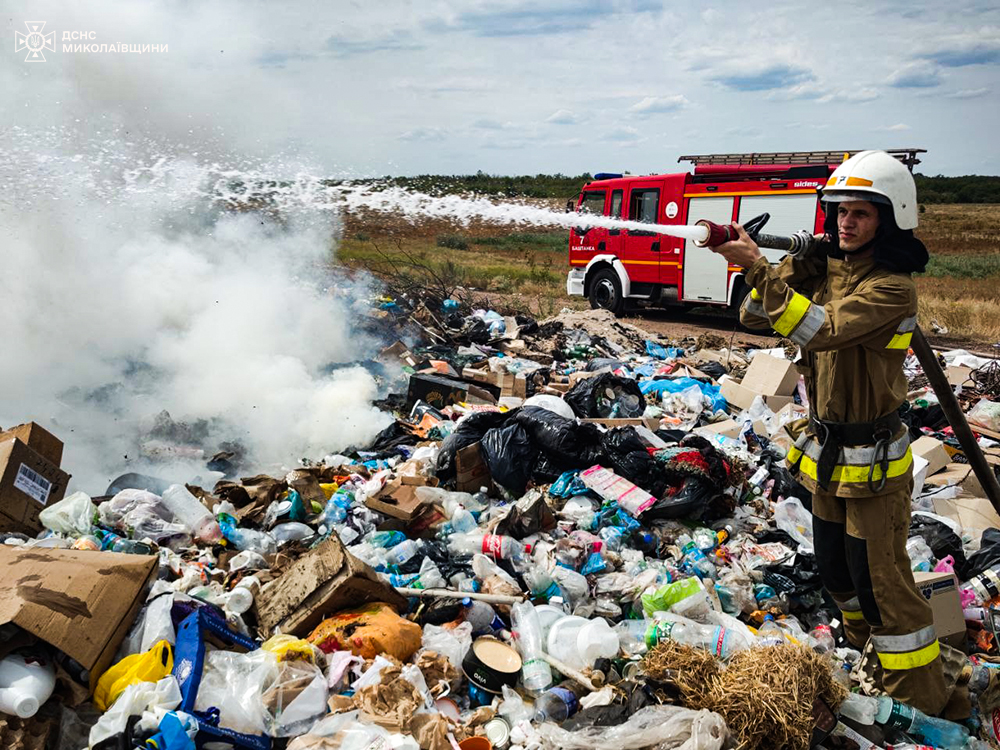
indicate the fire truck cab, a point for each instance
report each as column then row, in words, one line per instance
column 617, row 267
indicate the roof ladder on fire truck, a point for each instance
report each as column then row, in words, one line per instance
column 909, row 157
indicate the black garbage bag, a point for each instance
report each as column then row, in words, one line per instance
column 943, row 542
column 712, row 369
column 470, row 430
column 606, row 396
column 565, row 443
column 599, row 363
column 391, row 437
column 527, row 518
column 478, row 332
column 545, row 472
column 692, row 500
column 526, row 325
column 510, row 456
column 987, row 556
column 629, row 457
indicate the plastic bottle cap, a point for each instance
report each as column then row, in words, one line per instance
column 26, row 706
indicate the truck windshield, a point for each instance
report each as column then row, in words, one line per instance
column 593, row 202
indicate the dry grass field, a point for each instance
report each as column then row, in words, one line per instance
column 960, row 291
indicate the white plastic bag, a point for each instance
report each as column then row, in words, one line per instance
column 295, row 700
column 135, row 700
column 73, row 515
column 792, row 518
column 151, row 626
column 234, row 683
column 453, row 644
column 665, row 727
column 348, row 731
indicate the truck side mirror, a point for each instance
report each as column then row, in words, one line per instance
column 570, row 206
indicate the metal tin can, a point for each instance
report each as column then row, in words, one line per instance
column 498, row 733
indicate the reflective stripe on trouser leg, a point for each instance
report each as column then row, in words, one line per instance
column 902, row 635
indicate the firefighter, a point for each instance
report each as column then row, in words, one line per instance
column 851, row 306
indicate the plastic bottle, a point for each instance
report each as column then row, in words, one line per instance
column 706, row 540
column 769, row 634
column 462, row 522
column 386, row 539
column 715, row 639
column 402, row 553
column 479, row 542
column 921, row 556
column 480, row 615
column 241, row 596
column 535, row 673
column 580, row 642
column 26, row 682
column 187, row 510
column 934, row 731
column 822, row 639
column 860, row 708
column 695, row 559
column 612, row 536
column 480, row 501
column 336, row 508
column 632, row 636
column 559, row 703
column 986, row 585
column 127, row 546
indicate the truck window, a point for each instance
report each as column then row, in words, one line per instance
column 616, row 204
column 644, row 205
column 593, row 202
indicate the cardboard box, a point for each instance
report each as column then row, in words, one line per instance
column 509, row 384
column 741, row 397
column 471, row 471
column 321, row 583
column 28, row 483
column 731, row 428
column 958, row 474
column 398, row 498
column 400, row 354
column 932, row 451
column 771, row 376
column 973, row 514
column 440, row 391
column 941, row 590
column 40, row 440
column 82, row 603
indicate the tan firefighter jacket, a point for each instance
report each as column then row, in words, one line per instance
column 853, row 322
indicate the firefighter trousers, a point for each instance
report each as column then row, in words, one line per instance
column 862, row 560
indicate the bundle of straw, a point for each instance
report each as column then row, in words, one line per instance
column 765, row 695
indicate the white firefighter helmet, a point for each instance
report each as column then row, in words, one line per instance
column 877, row 177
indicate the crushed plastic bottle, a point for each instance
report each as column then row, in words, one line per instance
column 769, row 634
column 559, row 703
column 535, row 673
column 715, row 639
column 480, row 542
column 188, row 510
column 695, row 559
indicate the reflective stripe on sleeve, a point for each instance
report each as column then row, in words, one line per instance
column 754, row 294
column 900, row 341
column 810, row 325
column 797, row 307
column 851, row 609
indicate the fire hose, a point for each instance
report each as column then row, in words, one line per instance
column 800, row 244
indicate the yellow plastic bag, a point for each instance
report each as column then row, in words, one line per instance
column 290, row 648
column 151, row 666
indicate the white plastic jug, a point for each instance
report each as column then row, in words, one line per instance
column 26, row 682
column 580, row 642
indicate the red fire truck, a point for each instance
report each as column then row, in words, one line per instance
column 617, row 267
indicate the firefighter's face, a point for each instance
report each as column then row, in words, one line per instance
column 857, row 222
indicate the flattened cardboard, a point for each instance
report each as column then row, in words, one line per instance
column 731, row 428
column 324, row 581
column 932, row 451
column 974, row 514
column 36, row 437
column 742, row 397
column 28, row 484
column 82, row 603
column 770, row 376
column 399, row 352
column 941, row 591
column 957, row 374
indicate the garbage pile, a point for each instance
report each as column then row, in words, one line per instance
column 573, row 535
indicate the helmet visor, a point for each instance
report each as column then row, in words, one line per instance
column 841, row 196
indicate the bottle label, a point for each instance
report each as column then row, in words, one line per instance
column 492, row 545
column 901, row 716
column 657, row 632
column 720, row 640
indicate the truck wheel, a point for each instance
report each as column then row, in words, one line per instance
column 606, row 292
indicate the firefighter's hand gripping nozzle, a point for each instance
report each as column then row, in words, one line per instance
column 799, row 244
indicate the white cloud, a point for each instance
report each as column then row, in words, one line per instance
column 423, row 134
column 967, row 93
column 899, row 127
column 915, row 75
column 659, row 104
column 562, row 117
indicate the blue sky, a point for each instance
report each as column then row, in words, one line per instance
column 512, row 86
